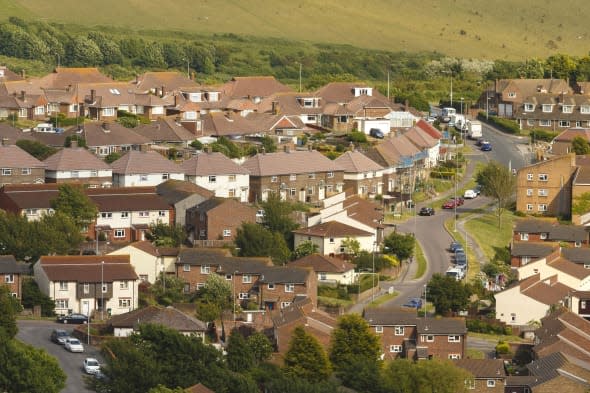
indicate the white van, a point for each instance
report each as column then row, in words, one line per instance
column 44, row 127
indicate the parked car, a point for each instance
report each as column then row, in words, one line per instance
column 450, row 204
column 460, row 201
column 486, row 146
column 59, row 336
column 426, row 211
column 454, row 246
column 469, row 194
column 73, row 345
column 414, row 302
column 91, row 366
column 477, row 189
column 479, row 141
column 456, row 273
column 460, row 257
column 376, row 133
column 72, row 319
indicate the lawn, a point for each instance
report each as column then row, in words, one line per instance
column 486, row 233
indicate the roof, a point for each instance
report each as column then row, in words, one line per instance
column 88, row 268
column 253, row 86
column 332, row 229
column 128, row 199
column 8, row 264
column 74, row 158
column 138, row 162
column 239, row 210
column 528, row 249
column 570, row 268
column 9, row 135
column 166, row 130
column 323, row 264
column 169, row 80
column 441, row 326
column 12, row 156
column 483, row 368
column 429, row 129
column 363, row 211
column 198, row 388
column 284, row 274
column 548, row 291
column 211, row 163
column 292, row 162
column 111, row 134
column 420, row 139
column 62, row 77
column 571, row 133
column 533, row 226
column 390, row 317
column 148, row 247
column 174, row 191
column 576, row 254
column 342, row 92
column 166, row 316
column 357, row 162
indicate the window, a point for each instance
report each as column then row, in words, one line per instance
column 124, row 285
column 511, row 94
column 186, row 268
column 454, row 356
column 143, row 177
column 285, row 304
column 529, row 107
column 119, row 233
column 228, row 277
column 513, row 315
column 104, row 288
column 289, row 287
column 543, row 177
column 86, row 288
column 525, row 260
column 577, row 244
column 63, row 285
column 106, row 215
column 200, row 285
column 22, row 112
column 529, row 176
column 310, row 190
column 331, row 240
column 9, row 278
column 144, row 214
column 205, row 269
column 323, row 276
column 274, row 179
column 585, row 109
column 246, row 278
column 542, row 207
column 187, row 288
column 124, row 214
column 293, row 192
column 543, row 192
column 530, row 122
column 75, row 173
column 243, row 295
column 395, row 348
column 545, row 123
column 25, row 171
column 399, row 330
column 330, row 174
column 31, row 212
column 162, row 213
column 378, row 329
column 524, row 236
column 529, row 192
column 564, row 123
column 212, row 179
column 143, row 277
column 491, row 383
column 124, row 303
column 61, row 303
column 547, row 108
column 567, row 109
column 427, row 338
column 311, row 176
column 6, row 171
column 93, row 173
column 543, row 235
column 108, row 112
column 529, row 207
column 292, row 177
column 454, row 339
column 226, row 232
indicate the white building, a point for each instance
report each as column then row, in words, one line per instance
column 137, row 168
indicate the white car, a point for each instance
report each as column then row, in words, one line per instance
column 470, row 194
column 91, row 366
column 73, row 345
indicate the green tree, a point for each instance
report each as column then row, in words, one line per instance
column 498, row 183
column 79, row 140
column 306, row 248
column 164, row 235
column 404, row 376
column 73, row 202
column 110, row 50
column 352, row 246
column 36, row 149
column 9, row 308
column 399, row 377
column 196, row 144
column 580, row 146
column 305, row 357
column 447, row 294
column 239, row 357
column 400, row 244
column 260, row 347
column 112, row 157
column 581, row 203
column 84, row 52
column 277, row 217
column 254, row 240
column 269, row 144
column 164, row 389
column 55, row 233
column 32, row 296
column 213, row 298
column 168, row 290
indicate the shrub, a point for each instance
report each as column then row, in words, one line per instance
column 543, row 135
column 505, row 125
column 503, row 348
column 357, row 137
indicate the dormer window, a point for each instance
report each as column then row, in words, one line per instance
column 511, row 94
column 359, row 91
column 547, row 108
column 529, row 107
column 567, row 109
column 585, row 109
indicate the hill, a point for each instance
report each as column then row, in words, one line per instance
column 502, row 29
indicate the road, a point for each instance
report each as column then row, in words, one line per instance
column 37, row 333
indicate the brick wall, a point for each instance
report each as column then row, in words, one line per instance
column 16, row 176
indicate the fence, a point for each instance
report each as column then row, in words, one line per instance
column 212, row 243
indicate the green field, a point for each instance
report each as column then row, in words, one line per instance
column 478, row 29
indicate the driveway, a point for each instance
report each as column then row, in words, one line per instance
column 37, row 333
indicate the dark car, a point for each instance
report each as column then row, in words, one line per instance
column 376, row 133
column 479, row 141
column 59, row 336
column 414, row 302
column 426, row 211
column 454, row 246
column 477, row 189
column 72, row 319
column 486, row 146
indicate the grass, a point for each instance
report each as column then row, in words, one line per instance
column 421, row 261
column 486, row 233
column 495, row 338
column 333, row 302
column 474, row 354
column 466, row 28
column 382, row 299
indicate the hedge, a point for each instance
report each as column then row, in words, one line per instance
column 505, row 125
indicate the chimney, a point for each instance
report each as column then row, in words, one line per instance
column 24, row 75
column 105, row 127
column 275, row 108
column 22, row 95
column 163, row 91
column 73, row 143
column 92, row 95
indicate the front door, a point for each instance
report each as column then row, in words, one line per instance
column 86, row 307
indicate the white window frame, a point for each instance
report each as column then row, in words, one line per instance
column 290, row 287
column 529, row 176
column 205, row 269
column 399, row 330
column 543, row 177
column 124, row 214
column 274, row 179
column 143, row 214
column 62, row 304
column 25, row 171
column 124, row 285
column 529, row 192
column 524, row 236
column 563, row 123
column 454, row 356
column 285, row 304
column 330, row 175
column 86, row 288
column 543, row 235
column 567, row 109
column 470, row 384
column 119, row 233
column 143, row 178
column 454, row 338
column 547, row 108
column 395, row 348
column 9, row 278
column 491, row 383
column 6, row 171
column 227, row 233
column 543, row 192
column 246, row 278
column 186, row 267
column 542, row 207
column 63, row 285
column 162, row 213
column 106, row 215
column 243, row 295
column 585, row 109
column 529, row 207
column 270, row 286
column 124, row 302
column 378, row 329
column 511, row 94
column 292, row 177
column 104, row 288
column 212, row 179
column 429, row 338
column 545, row 123
column 528, row 107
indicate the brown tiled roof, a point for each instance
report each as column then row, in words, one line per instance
column 222, row 124
column 106, row 95
column 63, row 77
column 114, row 134
column 129, row 202
column 176, row 190
column 420, row 139
column 569, row 268
column 253, row 86
column 61, row 96
column 26, row 196
column 529, row 87
column 483, row 368
column 8, row 75
column 8, row 264
column 165, row 130
column 357, row 162
column 170, row 80
column 147, row 247
column 582, row 175
column 288, row 104
column 134, row 162
column 342, row 92
column 88, row 268
column 213, row 163
column 153, row 100
column 363, row 211
column 332, row 229
column 548, row 291
column 283, row 163
column 166, row 316
column 571, row 133
column 68, row 159
column 12, row 156
column 288, row 315
column 198, row 388
column 528, row 249
column 323, row 264
column 10, row 134
column 429, row 129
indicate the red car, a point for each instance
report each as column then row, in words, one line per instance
column 450, row 204
column 460, row 201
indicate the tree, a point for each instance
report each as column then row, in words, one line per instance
column 497, row 182
column 112, row 157
column 32, row 296
column 305, row 358
column 168, row 290
column 400, row 244
column 260, row 347
column 269, row 144
column 213, row 298
column 239, row 357
column 164, row 235
column 580, row 146
column 82, row 51
column 254, row 240
column 164, row 389
column 277, row 217
column 581, row 203
column 447, row 294
column 9, row 308
column 306, row 248
column 351, row 246
column 404, row 376
column 79, row 140
column 111, row 53
column 36, row 149
column 73, row 202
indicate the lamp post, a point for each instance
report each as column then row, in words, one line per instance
column 188, row 69
column 450, row 72
column 373, row 294
column 102, row 291
column 233, row 281
column 456, row 174
column 462, row 105
column 425, row 298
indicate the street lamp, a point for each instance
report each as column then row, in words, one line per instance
column 456, row 174
column 462, row 105
column 102, row 291
column 373, row 294
column 300, row 67
column 188, row 69
column 450, row 72
column 425, row 298
column 233, row 287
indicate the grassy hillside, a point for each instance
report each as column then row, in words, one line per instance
column 499, row 29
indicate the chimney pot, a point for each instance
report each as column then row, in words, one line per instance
column 92, row 95
column 22, row 95
column 163, row 91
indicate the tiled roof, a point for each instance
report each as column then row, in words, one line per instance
column 332, row 229
column 357, row 162
column 288, row 315
column 12, row 156
column 165, row 130
column 342, row 92
column 8, row 264
column 134, row 162
column 213, row 163
column 571, row 133
column 429, row 129
column 548, row 291
column 532, row 86
column 323, row 264
column 363, row 211
column 569, row 233
column 293, row 162
column 200, row 256
column 8, row 75
column 63, row 77
column 420, row 139
column 441, row 326
column 582, row 175
column 390, row 317
column 570, row 268
column 576, row 254
column 170, row 80
column 148, row 247
column 9, row 135
column 177, row 190
column 532, row 226
column 528, row 249
column 289, row 103
column 88, row 268
column 78, row 158
column 106, row 95
column 198, row 388
column 253, row 86
column 139, row 201
column 111, row 134
column 165, row 316
column 28, row 196
column 483, row 368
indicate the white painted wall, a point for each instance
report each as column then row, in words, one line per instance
column 524, row 308
column 82, row 174
column 222, row 185
column 137, row 180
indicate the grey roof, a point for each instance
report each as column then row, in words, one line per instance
column 199, row 256
column 12, row 156
column 8, row 264
column 169, row 317
column 75, row 158
column 547, row 368
column 568, row 233
column 390, row 317
column 576, row 254
column 135, row 162
column 174, row 191
column 293, row 162
column 213, row 163
column 532, row 226
column 483, row 368
column 530, row 249
column 283, row 274
column 441, row 326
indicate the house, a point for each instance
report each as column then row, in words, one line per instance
column 198, row 388
column 361, row 174
column 489, row 375
column 404, row 335
column 24, row 105
column 77, row 165
column 563, row 331
column 149, row 261
column 522, row 253
column 183, row 195
column 19, row 167
column 9, row 135
column 29, row 200
column 306, row 106
column 562, row 143
column 152, row 106
column 101, row 101
column 539, row 230
column 64, row 77
column 166, row 131
column 218, row 173
column 209, row 220
column 88, row 284
column 281, row 286
column 104, row 138
column 304, row 176
column 554, row 112
column 580, row 190
column 138, row 168
column 125, row 324
column 13, row 273
column 162, row 81
column 329, row 270
column 428, row 145
column 7, row 75
column 253, row 88
column 546, row 187
column 329, row 237
column 62, row 101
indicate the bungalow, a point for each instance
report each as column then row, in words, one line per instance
column 137, row 168
column 149, row 261
column 77, row 165
column 329, row 237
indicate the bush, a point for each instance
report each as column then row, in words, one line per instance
column 481, row 326
column 503, row 348
column 357, row 137
column 505, row 125
column 543, row 135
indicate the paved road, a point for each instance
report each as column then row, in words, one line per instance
column 37, row 333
